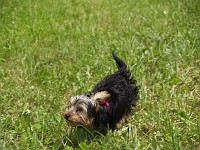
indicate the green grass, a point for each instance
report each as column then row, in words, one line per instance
column 53, row 49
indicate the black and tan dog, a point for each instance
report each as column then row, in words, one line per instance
column 109, row 102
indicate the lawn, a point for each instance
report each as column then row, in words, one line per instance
column 51, row 50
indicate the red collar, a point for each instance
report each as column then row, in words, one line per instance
column 105, row 102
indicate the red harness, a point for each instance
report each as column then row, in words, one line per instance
column 105, row 102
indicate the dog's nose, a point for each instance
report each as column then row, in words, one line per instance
column 67, row 116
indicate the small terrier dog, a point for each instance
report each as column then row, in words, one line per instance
column 108, row 103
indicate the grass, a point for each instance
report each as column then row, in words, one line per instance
column 51, row 50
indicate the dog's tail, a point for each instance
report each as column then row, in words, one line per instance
column 119, row 62
column 124, row 71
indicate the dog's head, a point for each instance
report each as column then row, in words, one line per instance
column 83, row 108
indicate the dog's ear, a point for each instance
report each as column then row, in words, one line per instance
column 100, row 96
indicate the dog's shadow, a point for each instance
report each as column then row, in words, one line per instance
column 78, row 135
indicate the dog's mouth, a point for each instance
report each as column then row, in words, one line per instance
column 78, row 122
column 75, row 124
column 72, row 121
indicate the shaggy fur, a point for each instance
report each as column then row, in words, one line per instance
column 108, row 103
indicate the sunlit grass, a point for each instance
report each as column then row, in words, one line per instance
column 51, row 50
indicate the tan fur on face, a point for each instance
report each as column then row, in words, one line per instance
column 78, row 108
column 77, row 112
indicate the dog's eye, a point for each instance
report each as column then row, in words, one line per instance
column 88, row 95
column 69, row 105
column 79, row 109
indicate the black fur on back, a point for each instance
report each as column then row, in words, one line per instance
column 124, row 94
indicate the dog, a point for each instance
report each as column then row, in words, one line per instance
column 108, row 103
